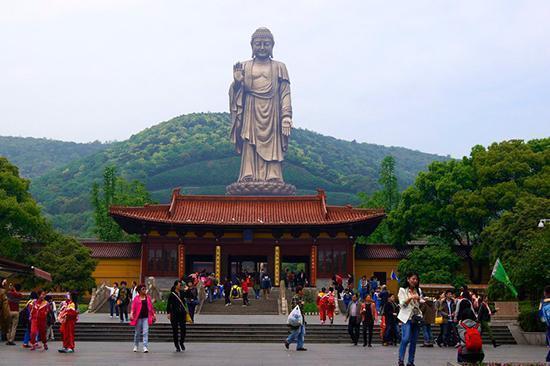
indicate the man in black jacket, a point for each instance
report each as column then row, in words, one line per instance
column 177, row 312
column 390, row 314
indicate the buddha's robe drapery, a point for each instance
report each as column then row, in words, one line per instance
column 258, row 105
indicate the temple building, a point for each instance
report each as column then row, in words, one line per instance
column 231, row 234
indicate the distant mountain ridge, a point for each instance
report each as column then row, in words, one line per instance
column 35, row 156
column 194, row 152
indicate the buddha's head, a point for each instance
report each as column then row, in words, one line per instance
column 262, row 44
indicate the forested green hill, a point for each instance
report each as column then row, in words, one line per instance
column 35, row 156
column 193, row 152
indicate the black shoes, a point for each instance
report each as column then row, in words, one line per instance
column 287, row 344
column 301, row 349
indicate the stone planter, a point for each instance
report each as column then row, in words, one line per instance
column 534, row 338
column 507, row 310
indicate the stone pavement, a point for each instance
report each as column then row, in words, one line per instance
column 106, row 354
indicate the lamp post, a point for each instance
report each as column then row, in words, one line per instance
column 542, row 222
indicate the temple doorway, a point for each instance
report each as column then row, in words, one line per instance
column 237, row 265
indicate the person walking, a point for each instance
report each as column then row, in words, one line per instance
column 68, row 316
column 244, row 286
column 50, row 317
column 297, row 334
column 411, row 317
column 321, row 303
column 331, row 304
column 447, row 308
column 266, row 285
column 39, row 313
column 113, row 294
column 364, row 287
column 142, row 316
column 227, row 291
column 191, row 296
column 484, row 317
column 14, row 298
column 25, row 316
column 470, row 349
column 544, row 313
column 353, row 316
column 368, row 316
column 390, row 317
column 428, row 312
column 123, row 300
column 177, row 313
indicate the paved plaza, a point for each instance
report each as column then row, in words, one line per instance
column 105, row 354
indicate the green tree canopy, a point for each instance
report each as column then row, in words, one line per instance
column 116, row 191
column 467, row 201
column 436, row 263
column 26, row 236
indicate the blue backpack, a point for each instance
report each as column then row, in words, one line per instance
column 544, row 312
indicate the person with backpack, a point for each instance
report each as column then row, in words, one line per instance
column 410, row 315
column 123, row 300
column 266, row 285
column 484, row 317
column 177, row 312
column 51, row 317
column 544, row 311
column 322, row 305
column 331, row 304
column 470, row 349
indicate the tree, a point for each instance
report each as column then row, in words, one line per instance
column 26, row 236
column 388, row 198
column 459, row 200
column 116, row 191
column 69, row 262
column 436, row 263
column 20, row 217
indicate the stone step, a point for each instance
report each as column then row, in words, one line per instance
column 265, row 333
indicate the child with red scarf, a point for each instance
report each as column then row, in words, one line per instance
column 39, row 313
column 68, row 315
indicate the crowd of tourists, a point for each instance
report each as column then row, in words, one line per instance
column 460, row 316
column 37, row 315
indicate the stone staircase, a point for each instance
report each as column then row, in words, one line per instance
column 256, row 307
column 235, row 333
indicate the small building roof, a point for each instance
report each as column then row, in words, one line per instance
column 101, row 249
column 10, row 268
column 247, row 211
column 388, row 251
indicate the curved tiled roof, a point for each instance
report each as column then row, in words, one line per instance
column 247, row 210
column 388, row 251
column 102, row 249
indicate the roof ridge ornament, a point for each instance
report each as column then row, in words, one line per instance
column 323, row 196
column 175, row 194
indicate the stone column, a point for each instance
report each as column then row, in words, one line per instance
column 277, row 264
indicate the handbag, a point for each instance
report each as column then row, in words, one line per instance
column 417, row 318
column 438, row 320
column 188, row 318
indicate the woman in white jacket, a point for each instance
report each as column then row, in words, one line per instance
column 410, row 297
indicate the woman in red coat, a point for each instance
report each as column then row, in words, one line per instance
column 142, row 316
column 68, row 315
column 39, row 312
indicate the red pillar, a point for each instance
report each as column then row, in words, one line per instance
column 181, row 260
column 144, row 254
column 313, row 265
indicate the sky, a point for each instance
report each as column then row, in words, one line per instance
column 436, row 76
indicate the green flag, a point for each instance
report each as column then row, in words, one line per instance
column 500, row 274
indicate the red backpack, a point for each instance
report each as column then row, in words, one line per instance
column 472, row 338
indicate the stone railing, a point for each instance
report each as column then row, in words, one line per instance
column 98, row 299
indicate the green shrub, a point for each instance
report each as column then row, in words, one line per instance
column 160, row 305
column 529, row 320
column 310, row 307
column 82, row 308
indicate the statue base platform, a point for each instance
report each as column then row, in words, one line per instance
column 260, row 188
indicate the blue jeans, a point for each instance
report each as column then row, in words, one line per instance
column 297, row 336
column 548, row 342
column 142, row 327
column 427, row 331
column 113, row 308
column 409, row 336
